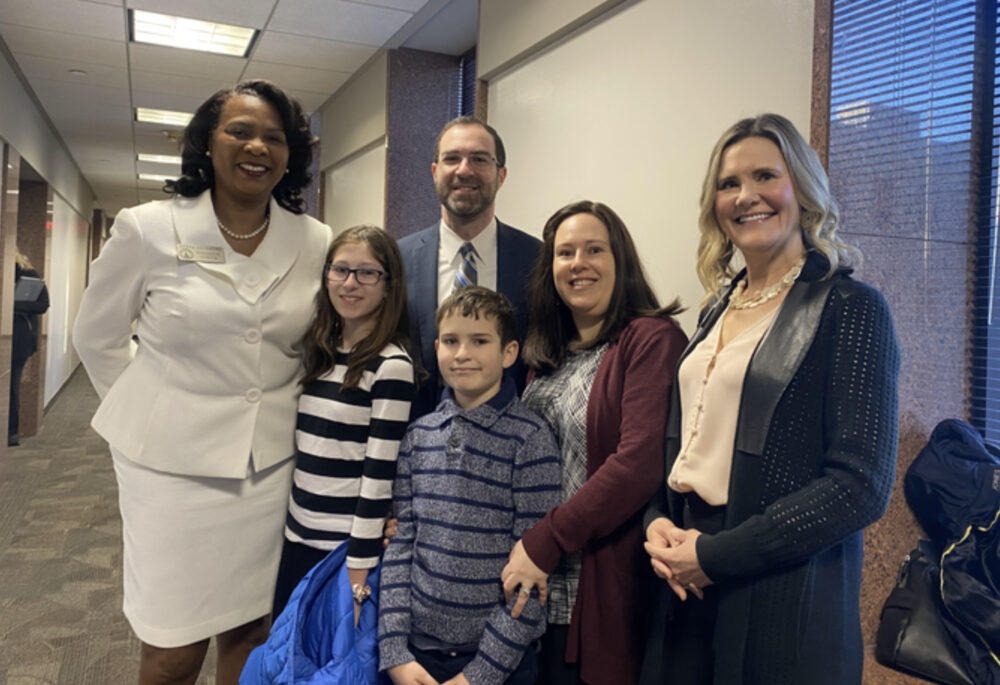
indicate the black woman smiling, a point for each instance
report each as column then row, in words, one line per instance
column 218, row 283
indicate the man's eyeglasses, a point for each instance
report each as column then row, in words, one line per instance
column 480, row 161
column 339, row 274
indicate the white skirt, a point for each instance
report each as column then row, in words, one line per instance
column 201, row 554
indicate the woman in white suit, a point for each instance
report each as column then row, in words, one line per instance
column 219, row 283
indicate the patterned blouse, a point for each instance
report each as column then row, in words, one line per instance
column 561, row 398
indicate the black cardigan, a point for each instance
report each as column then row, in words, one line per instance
column 813, row 464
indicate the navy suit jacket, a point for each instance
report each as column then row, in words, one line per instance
column 516, row 253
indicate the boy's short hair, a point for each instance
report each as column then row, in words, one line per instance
column 476, row 301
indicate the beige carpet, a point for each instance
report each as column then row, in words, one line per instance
column 61, row 556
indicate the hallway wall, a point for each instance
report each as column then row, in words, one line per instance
column 23, row 126
column 26, row 129
column 586, row 119
column 66, row 279
column 352, row 149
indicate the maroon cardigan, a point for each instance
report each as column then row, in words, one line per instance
column 626, row 416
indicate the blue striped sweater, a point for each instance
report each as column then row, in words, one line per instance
column 468, row 485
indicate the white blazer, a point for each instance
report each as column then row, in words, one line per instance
column 213, row 383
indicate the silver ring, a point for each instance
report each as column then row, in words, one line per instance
column 525, row 591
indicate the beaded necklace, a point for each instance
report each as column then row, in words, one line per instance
column 738, row 301
column 246, row 236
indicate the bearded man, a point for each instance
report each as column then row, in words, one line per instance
column 468, row 246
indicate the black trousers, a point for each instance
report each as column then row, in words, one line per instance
column 444, row 666
column 14, row 412
column 296, row 561
column 680, row 649
column 552, row 666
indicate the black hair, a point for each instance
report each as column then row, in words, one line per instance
column 197, row 173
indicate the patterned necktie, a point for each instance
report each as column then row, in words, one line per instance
column 466, row 274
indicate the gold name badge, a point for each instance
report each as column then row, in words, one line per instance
column 201, row 253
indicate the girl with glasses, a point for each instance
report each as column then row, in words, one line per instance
column 353, row 411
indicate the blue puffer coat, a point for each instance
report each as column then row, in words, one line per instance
column 314, row 640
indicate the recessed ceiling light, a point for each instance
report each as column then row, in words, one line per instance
column 159, row 159
column 162, row 116
column 156, row 177
column 190, row 34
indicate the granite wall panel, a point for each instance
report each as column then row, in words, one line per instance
column 422, row 89
column 925, row 284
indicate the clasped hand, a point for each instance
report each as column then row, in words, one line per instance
column 673, row 554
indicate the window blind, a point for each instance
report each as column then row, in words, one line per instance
column 467, row 88
column 984, row 371
column 905, row 144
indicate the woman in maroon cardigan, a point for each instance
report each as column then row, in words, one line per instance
column 602, row 354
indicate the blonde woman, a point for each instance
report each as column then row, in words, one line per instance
column 781, row 440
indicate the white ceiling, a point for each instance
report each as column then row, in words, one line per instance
column 308, row 47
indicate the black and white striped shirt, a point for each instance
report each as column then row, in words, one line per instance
column 346, row 448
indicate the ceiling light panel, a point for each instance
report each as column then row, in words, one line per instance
column 159, row 159
column 156, row 177
column 191, row 34
column 162, row 116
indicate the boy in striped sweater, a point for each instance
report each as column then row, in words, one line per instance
column 472, row 477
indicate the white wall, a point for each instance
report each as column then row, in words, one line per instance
column 65, row 279
column 509, row 28
column 355, row 190
column 356, row 114
column 352, row 149
column 22, row 126
column 626, row 112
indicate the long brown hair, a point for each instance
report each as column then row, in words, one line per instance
column 552, row 327
column 392, row 324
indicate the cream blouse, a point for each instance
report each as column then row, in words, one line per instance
column 711, row 385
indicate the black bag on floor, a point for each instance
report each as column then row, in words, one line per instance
column 911, row 636
column 953, row 488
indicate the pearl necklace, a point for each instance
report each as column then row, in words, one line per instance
column 738, row 301
column 245, row 236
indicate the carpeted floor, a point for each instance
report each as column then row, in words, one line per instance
column 61, row 556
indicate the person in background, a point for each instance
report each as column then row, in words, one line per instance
column 781, row 442
column 603, row 353
column 473, row 475
column 469, row 246
column 31, row 300
column 220, row 281
column 353, row 411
